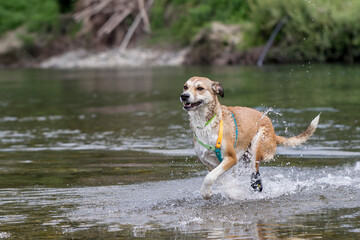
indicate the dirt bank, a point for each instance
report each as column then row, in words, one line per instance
column 135, row 57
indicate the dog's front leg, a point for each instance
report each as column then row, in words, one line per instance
column 225, row 165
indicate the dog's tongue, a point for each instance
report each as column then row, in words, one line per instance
column 187, row 104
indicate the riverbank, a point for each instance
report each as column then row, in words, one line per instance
column 135, row 57
column 216, row 33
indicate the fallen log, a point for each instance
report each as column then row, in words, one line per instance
column 133, row 27
column 113, row 22
column 107, row 20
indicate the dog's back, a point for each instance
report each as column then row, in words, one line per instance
column 249, row 122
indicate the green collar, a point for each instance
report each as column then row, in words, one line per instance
column 217, row 147
column 208, row 122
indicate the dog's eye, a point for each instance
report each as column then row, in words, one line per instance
column 185, row 87
column 200, row 88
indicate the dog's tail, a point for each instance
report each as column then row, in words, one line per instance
column 297, row 140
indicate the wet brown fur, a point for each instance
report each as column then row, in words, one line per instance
column 256, row 141
column 249, row 123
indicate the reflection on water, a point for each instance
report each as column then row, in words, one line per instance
column 296, row 201
column 105, row 154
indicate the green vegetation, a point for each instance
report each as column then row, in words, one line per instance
column 181, row 20
column 323, row 30
column 35, row 15
column 316, row 30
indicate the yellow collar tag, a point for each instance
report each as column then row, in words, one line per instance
column 221, row 130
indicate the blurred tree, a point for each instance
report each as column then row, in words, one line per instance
column 316, row 30
column 34, row 15
column 183, row 19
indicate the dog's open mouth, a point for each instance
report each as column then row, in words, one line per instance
column 188, row 105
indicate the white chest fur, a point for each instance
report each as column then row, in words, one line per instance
column 207, row 134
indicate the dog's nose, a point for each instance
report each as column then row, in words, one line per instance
column 184, row 97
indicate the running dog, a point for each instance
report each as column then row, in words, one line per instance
column 223, row 135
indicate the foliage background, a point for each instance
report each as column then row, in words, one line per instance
column 321, row 31
column 324, row 30
column 181, row 20
column 35, row 15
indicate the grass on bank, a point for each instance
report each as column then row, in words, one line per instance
column 323, row 30
column 35, row 15
column 180, row 20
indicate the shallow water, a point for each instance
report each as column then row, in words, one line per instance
column 108, row 153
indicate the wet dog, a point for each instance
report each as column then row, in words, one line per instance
column 224, row 135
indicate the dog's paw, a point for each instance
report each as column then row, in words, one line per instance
column 206, row 196
column 206, row 189
column 206, row 193
column 257, row 186
column 256, row 183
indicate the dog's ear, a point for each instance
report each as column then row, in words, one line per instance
column 218, row 88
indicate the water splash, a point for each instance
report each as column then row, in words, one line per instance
column 177, row 204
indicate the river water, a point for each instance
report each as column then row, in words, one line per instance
column 100, row 154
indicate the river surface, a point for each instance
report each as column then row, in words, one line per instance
column 103, row 154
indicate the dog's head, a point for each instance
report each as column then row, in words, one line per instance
column 200, row 91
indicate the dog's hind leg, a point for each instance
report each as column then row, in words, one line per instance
column 263, row 148
column 246, row 157
column 255, row 182
column 255, row 150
